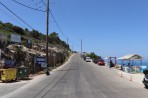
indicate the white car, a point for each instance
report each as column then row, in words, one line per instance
column 88, row 59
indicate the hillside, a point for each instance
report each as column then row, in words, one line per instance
column 34, row 35
column 22, row 55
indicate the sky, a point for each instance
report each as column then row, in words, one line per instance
column 106, row 27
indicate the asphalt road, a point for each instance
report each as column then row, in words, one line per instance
column 80, row 79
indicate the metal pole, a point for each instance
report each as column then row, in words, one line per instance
column 81, row 45
column 72, row 47
column 67, row 40
column 47, row 28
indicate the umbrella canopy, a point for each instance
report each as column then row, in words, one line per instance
column 131, row 57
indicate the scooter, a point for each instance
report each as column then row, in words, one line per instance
column 145, row 79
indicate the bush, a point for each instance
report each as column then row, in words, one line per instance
column 18, row 30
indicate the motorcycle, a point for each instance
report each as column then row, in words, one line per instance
column 145, row 79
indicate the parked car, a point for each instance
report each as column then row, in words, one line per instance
column 95, row 61
column 88, row 59
column 101, row 62
column 145, row 79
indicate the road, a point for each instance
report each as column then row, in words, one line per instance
column 80, row 79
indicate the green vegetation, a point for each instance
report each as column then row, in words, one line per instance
column 92, row 55
column 54, row 39
column 34, row 35
column 19, row 55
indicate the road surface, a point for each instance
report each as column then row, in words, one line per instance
column 80, row 79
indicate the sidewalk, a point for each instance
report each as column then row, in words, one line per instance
column 131, row 77
column 138, row 77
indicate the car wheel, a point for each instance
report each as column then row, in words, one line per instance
column 146, row 86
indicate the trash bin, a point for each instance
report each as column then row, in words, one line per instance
column 8, row 74
column 23, row 72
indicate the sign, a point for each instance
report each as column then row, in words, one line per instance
column 15, row 38
column 9, row 63
column 29, row 44
column 42, row 61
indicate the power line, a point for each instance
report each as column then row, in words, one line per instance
column 28, row 6
column 11, row 17
column 43, row 2
column 16, row 15
column 74, row 42
column 55, row 20
column 60, row 28
column 57, row 23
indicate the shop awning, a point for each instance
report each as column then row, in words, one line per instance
column 131, row 57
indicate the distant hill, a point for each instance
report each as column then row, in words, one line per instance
column 34, row 35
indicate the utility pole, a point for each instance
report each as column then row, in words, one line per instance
column 47, row 28
column 67, row 40
column 72, row 47
column 81, row 45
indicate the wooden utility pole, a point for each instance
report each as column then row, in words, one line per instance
column 47, row 28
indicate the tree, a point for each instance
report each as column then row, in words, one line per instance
column 92, row 55
column 19, row 55
column 53, row 38
column 18, row 30
column 1, row 22
column 26, row 29
column 35, row 34
column 8, row 25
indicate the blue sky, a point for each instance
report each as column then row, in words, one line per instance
column 107, row 27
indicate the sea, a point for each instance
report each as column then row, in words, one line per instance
column 133, row 63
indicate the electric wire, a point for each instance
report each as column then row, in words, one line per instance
column 43, row 3
column 60, row 28
column 11, row 17
column 28, row 6
column 55, row 20
column 57, row 23
column 16, row 15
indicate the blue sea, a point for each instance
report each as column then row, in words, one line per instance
column 133, row 63
column 141, row 64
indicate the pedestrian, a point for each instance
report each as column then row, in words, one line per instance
column 111, row 64
column 122, row 66
column 129, row 66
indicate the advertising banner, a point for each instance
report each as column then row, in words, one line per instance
column 42, row 61
column 15, row 38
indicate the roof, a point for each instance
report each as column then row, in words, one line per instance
column 131, row 57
